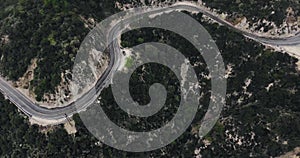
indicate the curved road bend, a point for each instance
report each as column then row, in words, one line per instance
column 58, row 114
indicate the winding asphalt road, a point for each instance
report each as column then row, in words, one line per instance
column 58, row 115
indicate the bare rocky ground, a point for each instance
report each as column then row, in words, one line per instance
column 59, row 98
column 290, row 27
column 70, row 127
column 291, row 154
column 62, row 95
